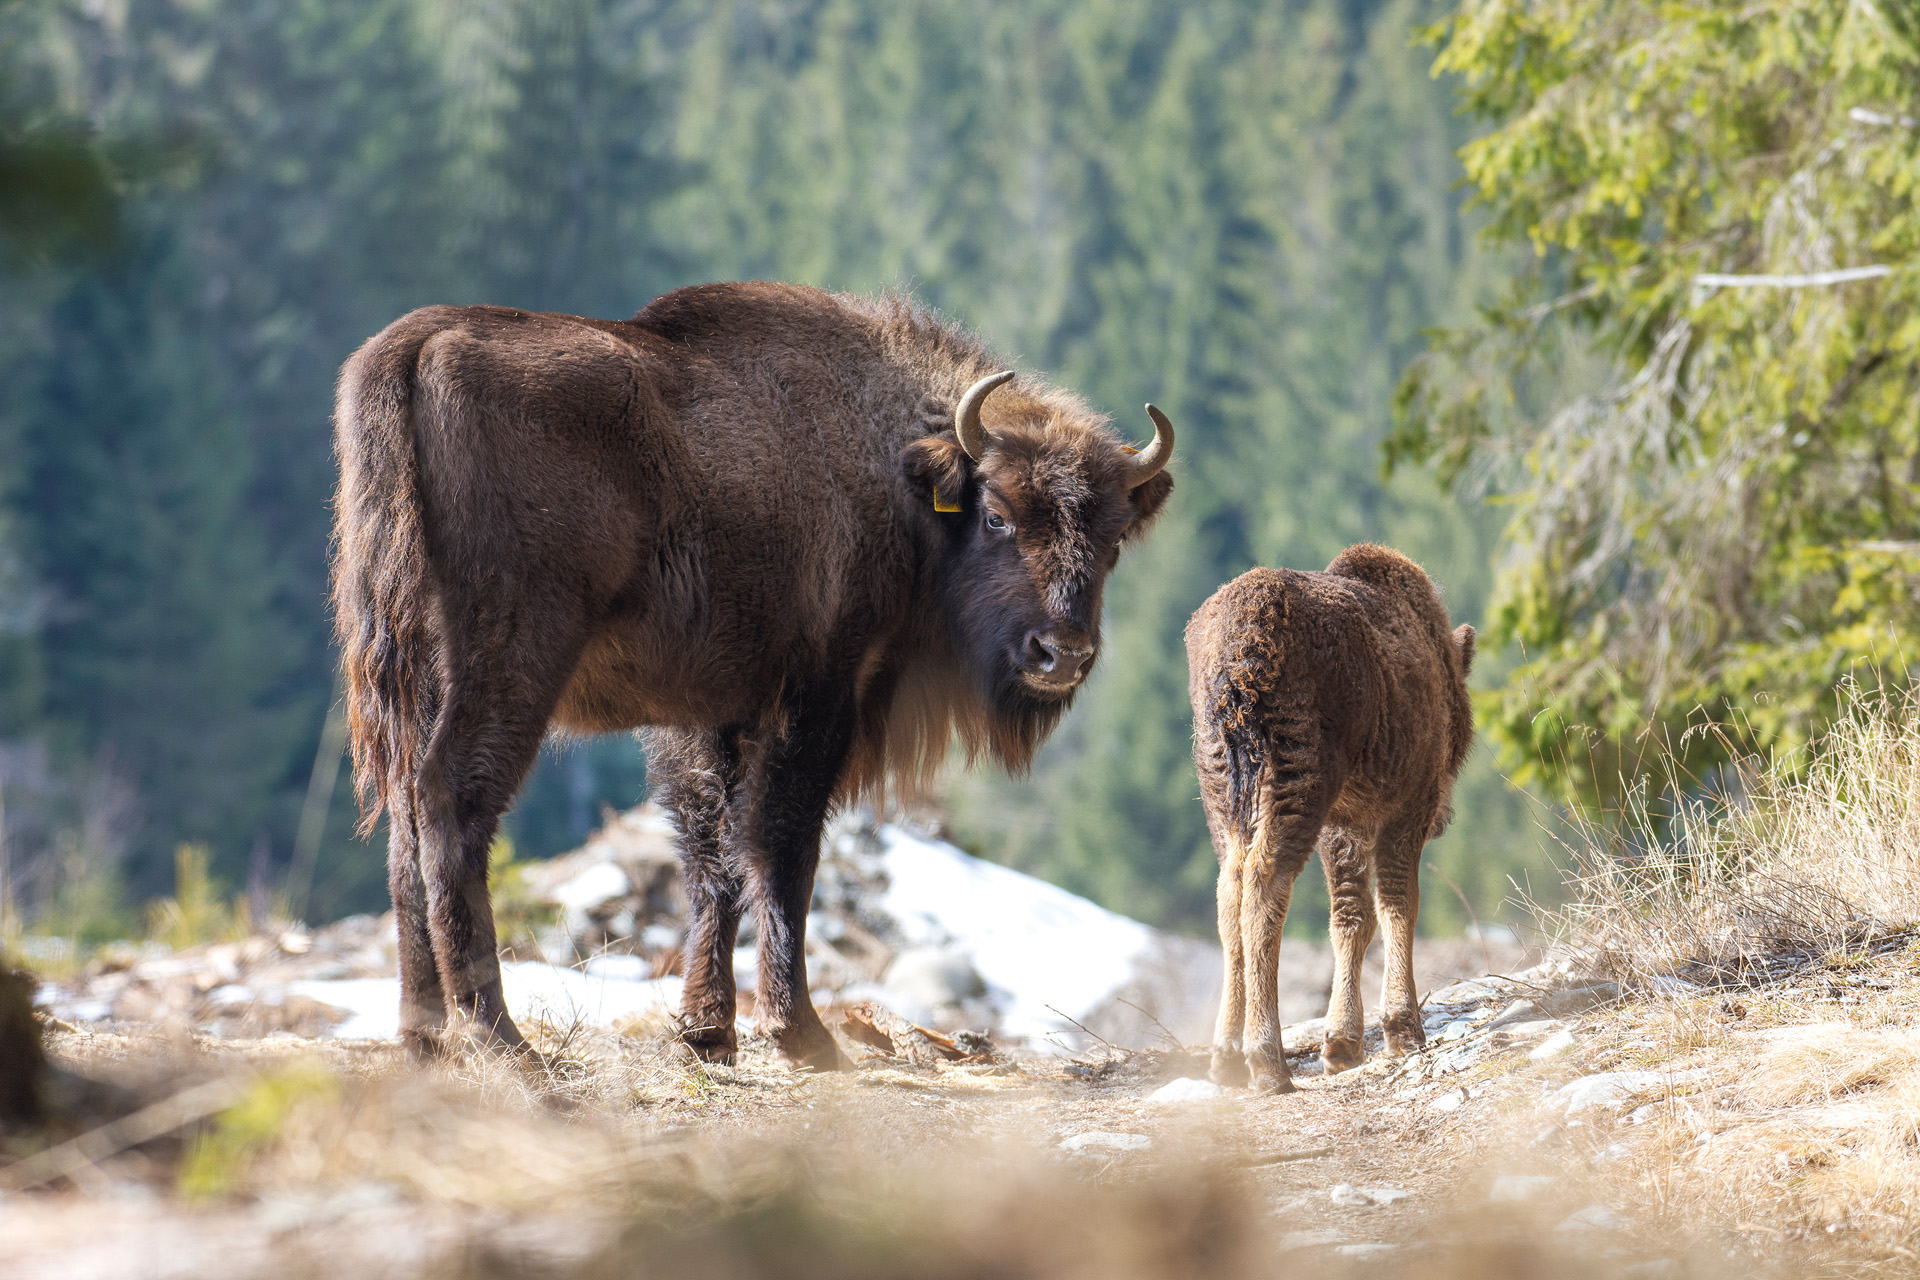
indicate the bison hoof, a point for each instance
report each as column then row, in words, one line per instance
column 1342, row 1053
column 710, row 1046
column 810, row 1050
column 425, row 1044
column 1229, row 1066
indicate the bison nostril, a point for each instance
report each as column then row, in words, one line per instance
column 1051, row 657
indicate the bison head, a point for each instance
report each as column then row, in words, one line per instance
column 1034, row 505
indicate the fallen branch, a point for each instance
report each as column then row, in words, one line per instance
column 90, row 1148
column 1286, row 1157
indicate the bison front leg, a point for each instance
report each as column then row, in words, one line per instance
column 786, row 813
column 696, row 775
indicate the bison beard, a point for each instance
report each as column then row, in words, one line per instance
column 810, row 540
column 1330, row 709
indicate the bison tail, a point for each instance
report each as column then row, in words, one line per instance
column 383, row 597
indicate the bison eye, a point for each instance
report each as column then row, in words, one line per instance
column 995, row 523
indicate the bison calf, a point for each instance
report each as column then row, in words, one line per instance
column 1328, row 708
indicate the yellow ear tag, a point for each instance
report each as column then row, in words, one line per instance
column 944, row 508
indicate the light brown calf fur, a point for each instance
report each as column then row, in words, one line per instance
column 1328, row 708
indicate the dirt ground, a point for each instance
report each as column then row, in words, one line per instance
column 1762, row 1130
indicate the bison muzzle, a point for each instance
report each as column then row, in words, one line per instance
column 810, row 540
column 1330, row 709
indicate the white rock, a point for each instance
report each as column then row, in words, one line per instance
column 1352, row 1197
column 1369, row 1250
column 1612, row 1088
column 1448, row 1101
column 1553, row 1046
column 1595, row 1217
column 1458, row 1029
column 1184, row 1090
column 1100, row 1140
column 1517, row 1188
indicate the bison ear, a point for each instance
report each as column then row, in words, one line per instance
column 938, row 467
column 1147, row 499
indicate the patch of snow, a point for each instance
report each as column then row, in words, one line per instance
column 1448, row 1101
column 534, row 992
column 1349, row 1196
column 1033, row 943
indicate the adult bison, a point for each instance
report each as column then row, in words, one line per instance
column 792, row 530
column 1328, row 708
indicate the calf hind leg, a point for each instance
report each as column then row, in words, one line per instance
column 1350, row 925
column 1229, row 1065
column 1396, row 896
column 1276, row 853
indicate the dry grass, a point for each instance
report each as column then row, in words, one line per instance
column 1773, row 927
column 1763, row 871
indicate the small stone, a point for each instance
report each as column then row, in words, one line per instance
column 1518, row 1188
column 1185, row 1090
column 1595, row 1217
column 1518, row 1011
column 1458, row 1029
column 1448, row 1101
column 1553, row 1046
column 1349, row 1196
column 1098, row 1140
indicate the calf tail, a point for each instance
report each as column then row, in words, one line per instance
column 1233, row 709
column 383, row 595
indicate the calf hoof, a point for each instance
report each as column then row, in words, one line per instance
column 1405, row 1034
column 1342, row 1053
column 1229, row 1066
column 1269, row 1074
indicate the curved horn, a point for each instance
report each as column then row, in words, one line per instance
column 1148, row 462
column 966, row 417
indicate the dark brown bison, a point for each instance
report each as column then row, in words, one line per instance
column 791, row 529
column 1328, row 708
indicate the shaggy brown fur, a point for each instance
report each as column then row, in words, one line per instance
column 719, row 518
column 1331, row 708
